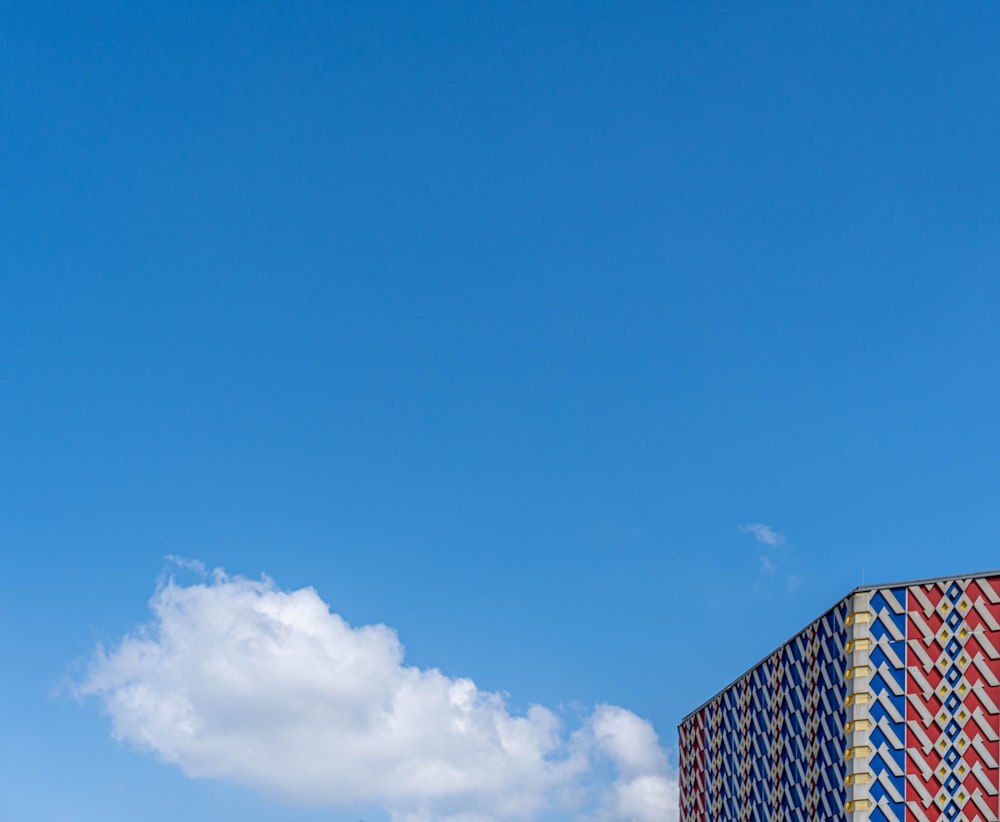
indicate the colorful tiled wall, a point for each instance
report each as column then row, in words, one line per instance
column 935, row 690
column 885, row 710
column 771, row 747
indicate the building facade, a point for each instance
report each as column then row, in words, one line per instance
column 886, row 708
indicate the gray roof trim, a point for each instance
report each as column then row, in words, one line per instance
column 927, row 581
column 763, row 659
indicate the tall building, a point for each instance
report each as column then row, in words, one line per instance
column 885, row 708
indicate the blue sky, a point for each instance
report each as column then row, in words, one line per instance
column 508, row 326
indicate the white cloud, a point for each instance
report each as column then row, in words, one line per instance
column 195, row 565
column 645, row 790
column 764, row 534
column 236, row 679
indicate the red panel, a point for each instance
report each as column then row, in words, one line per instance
column 692, row 781
column 953, row 700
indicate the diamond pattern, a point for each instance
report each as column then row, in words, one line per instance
column 950, row 714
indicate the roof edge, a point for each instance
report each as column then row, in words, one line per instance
column 859, row 589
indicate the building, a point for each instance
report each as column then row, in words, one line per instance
column 884, row 708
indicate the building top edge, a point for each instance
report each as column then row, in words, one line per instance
column 860, row 589
column 909, row 583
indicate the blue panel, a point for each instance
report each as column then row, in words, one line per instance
column 888, row 688
column 886, row 607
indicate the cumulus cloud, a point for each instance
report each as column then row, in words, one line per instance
column 764, row 534
column 645, row 789
column 236, row 679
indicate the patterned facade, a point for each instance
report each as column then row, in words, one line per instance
column 886, row 708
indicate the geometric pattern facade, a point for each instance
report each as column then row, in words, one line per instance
column 886, row 708
column 772, row 745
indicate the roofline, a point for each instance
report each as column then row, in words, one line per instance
column 763, row 659
column 858, row 590
column 926, row 581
